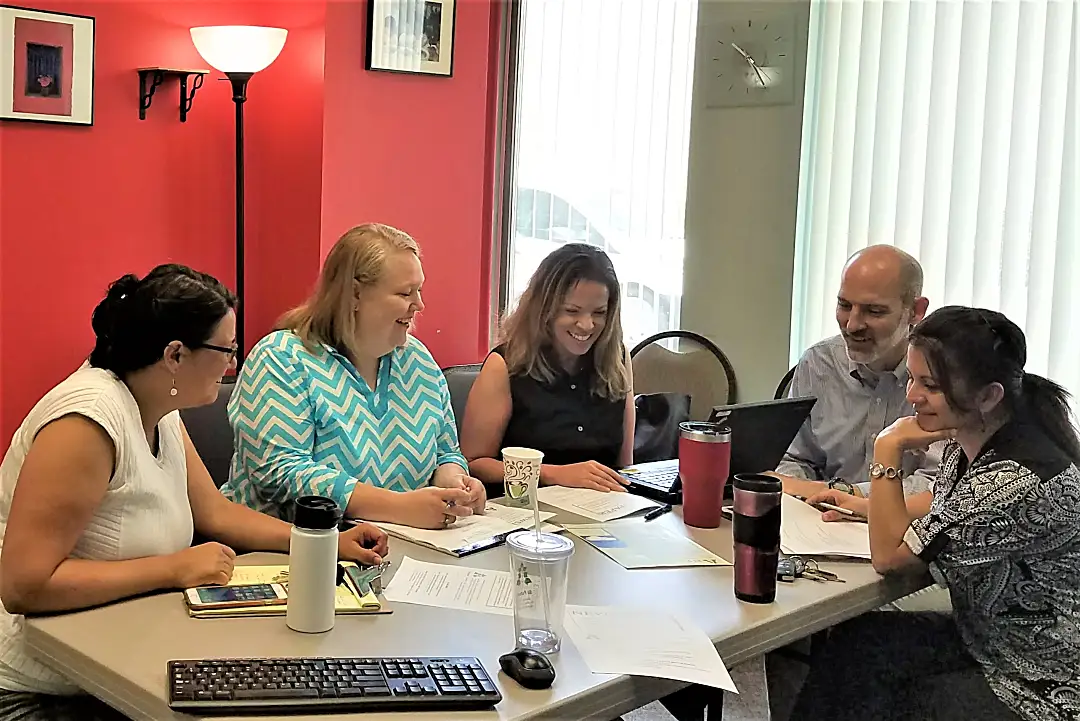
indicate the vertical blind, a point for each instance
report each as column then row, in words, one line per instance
column 948, row 129
column 602, row 146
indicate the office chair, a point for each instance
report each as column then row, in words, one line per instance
column 459, row 380
column 698, row 368
column 211, row 433
column 785, row 383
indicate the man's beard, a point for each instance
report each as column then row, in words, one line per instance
column 875, row 351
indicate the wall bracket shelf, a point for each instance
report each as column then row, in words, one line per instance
column 151, row 78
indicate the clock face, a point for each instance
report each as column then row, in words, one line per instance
column 748, row 61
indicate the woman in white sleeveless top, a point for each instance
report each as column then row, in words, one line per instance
column 101, row 488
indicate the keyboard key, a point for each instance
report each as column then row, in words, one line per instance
column 256, row 693
column 454, row 689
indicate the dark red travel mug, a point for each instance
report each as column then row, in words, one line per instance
column 704, row 462
column 756, row 532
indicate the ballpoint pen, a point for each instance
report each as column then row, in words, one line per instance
column 657, row 512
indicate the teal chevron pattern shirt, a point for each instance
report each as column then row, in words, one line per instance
column 306, row 423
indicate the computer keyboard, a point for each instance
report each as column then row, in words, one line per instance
column 236, row 685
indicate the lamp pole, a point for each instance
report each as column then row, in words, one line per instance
column 239, row 89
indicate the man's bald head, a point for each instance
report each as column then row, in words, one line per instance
column 880, row 299
column 891, row 268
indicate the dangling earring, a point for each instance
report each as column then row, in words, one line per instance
column 172, row 391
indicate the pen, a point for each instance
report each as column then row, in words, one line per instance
column 657, row 512
column 821, row 505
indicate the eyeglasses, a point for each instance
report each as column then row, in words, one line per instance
column 231, row 352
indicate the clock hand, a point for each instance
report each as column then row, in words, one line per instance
column 742, row 52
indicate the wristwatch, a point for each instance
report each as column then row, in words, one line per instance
column 839, row 484
column 878, row 470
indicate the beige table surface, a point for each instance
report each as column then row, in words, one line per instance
column 119, row 652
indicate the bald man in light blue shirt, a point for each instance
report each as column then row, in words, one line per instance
column 860, row 379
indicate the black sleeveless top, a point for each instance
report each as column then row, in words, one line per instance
column 564, row 419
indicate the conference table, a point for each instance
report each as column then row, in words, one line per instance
column 119, row 652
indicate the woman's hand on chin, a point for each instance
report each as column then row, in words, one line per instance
column 906, row 434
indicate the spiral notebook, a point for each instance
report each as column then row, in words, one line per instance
column 347, row 600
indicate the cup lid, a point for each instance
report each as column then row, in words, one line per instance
column 316, row 513
column 540, row 547
column 705, row 431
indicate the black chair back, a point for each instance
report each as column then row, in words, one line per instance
column 459, row 380
column 785, row 382
column 211, row 433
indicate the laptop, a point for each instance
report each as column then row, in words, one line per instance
column 760, row 435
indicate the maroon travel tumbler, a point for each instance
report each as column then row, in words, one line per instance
column 756, row 532
column 704, row 460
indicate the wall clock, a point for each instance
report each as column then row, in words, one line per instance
column 749, row 60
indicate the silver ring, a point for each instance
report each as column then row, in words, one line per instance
column 449, row 505
column 447, row 519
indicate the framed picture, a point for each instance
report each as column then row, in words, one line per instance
column 46, row 66
column 411, row 36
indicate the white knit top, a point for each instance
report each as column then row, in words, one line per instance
column 145, row 511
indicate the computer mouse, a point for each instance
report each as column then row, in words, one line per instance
column 529, row 668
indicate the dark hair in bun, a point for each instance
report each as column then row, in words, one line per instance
column 138, row 318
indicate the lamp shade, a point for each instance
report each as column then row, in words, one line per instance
column 238, row 48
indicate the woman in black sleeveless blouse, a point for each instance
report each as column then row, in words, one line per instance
column 560, row 382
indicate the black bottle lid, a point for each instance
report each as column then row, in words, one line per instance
column 316, row 513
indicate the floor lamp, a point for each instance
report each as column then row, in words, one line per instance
column 239, row 51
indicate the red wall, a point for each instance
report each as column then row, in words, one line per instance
column 328, row 146
column 414, row 152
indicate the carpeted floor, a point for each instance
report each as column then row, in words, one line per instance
column 752, row 701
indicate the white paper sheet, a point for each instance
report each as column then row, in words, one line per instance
column 660, row 646
column 802, row 532
column 597, row 505
column 457, row 587
column 498, row 520
column 635, row 543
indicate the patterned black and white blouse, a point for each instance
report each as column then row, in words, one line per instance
column 1004, row 536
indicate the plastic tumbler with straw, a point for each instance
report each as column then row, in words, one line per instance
column 540, row 563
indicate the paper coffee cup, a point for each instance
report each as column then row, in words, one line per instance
column 521, row 474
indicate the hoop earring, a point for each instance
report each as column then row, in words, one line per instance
column 172, row 391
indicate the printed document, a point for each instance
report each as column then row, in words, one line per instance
column 803, row 533
column 471, row 533
column 635, row 543
column 597, row 505
column 660, row 646
column 457, row 587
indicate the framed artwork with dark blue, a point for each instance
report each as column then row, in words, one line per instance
column 46, row 66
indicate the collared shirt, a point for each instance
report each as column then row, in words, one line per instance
column 306, row 423
column 1004, row 535
column 854, row 404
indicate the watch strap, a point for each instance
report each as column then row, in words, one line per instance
column 879, row 470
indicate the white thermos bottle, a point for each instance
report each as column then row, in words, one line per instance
column 313, row 551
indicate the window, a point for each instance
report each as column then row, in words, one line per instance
column 950, row 130
column 602, row 144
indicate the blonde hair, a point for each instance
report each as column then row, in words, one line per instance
column 328, row 314
column 526, row 332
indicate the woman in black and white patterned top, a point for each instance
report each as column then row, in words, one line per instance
column 1001, row 530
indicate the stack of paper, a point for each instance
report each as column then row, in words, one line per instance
column 803, row 533
column 471, row 533
column 660, row 645
column 457, row 587
column 597, row 505
column 635, row 543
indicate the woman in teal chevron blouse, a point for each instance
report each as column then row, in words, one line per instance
column 342, row 402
